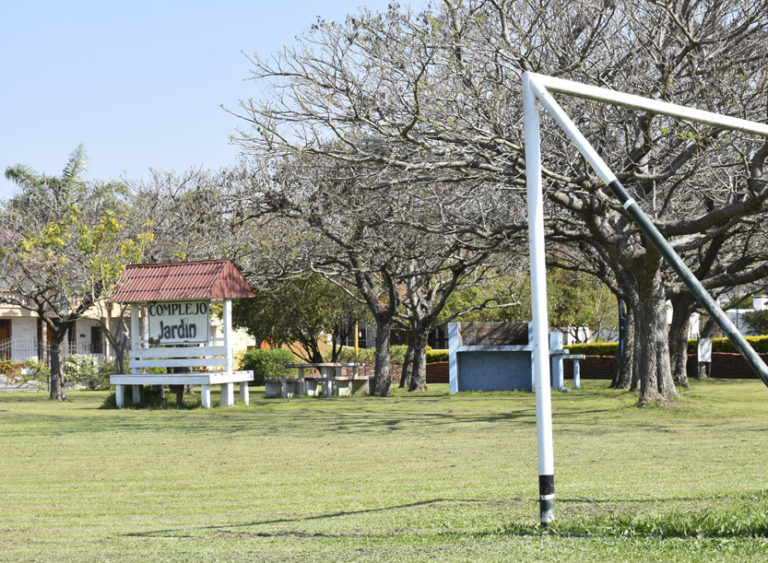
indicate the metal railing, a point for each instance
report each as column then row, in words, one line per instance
column 23, row 349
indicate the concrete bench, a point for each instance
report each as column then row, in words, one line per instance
column 287, row 387
column 341, row 386
column 315, row 386
column 207, row 361
column 350, row 386
column 558, row 371
column 330, row 382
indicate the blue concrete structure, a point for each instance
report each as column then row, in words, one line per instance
column 480, row 361
column 499, row 367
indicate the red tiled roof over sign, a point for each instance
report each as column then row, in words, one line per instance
column 173, row 281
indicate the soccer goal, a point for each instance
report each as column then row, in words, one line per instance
column 537, row 90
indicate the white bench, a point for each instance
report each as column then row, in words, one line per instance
column 211, row 363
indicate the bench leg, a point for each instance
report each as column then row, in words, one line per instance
column 227, row 395
column 244, row 396
column 344, row 388
column 205, row 395
column 120, row 395
column 557, row 372
column 576, row 374
column 136, row 394
column 272, row 389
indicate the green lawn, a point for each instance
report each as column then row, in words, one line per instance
column 425, row 477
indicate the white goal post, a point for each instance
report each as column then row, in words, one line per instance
column 539, row 88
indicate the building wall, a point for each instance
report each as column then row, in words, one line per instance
column 24, row 346
column 23, row 339
column 82, row 340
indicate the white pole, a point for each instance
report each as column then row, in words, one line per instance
column 229, row 344
column 227, row 389
column 539, row 305
column 135, row 334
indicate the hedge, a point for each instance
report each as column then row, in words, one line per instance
column 437, row 356
column 594, row 348
column 759, row 343
column 397, row 355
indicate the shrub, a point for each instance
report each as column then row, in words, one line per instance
column 239, row 359
column 268, row 364
column 397, row 354
column 437, row 356
column 364, row 355
column 83, row 369
column 24, row 372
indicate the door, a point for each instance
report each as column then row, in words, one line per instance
column 5, row 339
column 97, row 343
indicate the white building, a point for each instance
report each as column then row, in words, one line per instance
column 24, row 336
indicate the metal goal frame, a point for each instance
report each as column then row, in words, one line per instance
column 537, row 91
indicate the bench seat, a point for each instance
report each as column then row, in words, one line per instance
column 315, row 385
column 198, row 378
column 203, row 379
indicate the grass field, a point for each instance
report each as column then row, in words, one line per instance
column 426, row 477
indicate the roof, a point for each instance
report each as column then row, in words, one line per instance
column 172, row 281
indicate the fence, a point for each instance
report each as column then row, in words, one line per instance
column 23, row 349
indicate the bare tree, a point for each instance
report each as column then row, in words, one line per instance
column 415, row 100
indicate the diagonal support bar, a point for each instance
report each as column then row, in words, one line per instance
column 539, row 86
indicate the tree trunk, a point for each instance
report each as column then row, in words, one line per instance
column 118, row 344
column 382, row 373
column 405, row 377
column 651, row 362
column 419, row 376
column 57, row 380
column 682, row 307
column 622, row 377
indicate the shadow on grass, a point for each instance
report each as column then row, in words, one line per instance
column 743, row 521
column 186, row 532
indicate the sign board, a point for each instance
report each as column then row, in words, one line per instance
column 179, row 322
column 705, row 349
column 494, row 334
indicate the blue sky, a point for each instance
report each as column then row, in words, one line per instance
column 138, row 83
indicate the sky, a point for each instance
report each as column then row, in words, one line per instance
column 139, row 84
